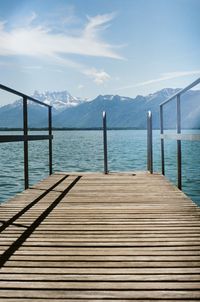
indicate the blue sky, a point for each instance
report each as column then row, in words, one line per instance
column 91, row 47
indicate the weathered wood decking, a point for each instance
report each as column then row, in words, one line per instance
column 92, row 237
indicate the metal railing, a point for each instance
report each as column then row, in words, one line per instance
column 178, row 136
column 25, row 137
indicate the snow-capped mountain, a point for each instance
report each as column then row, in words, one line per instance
column 59, row 100
column 11, row 114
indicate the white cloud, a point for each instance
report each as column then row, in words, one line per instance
column 99, row 77
column 163, row 77
column 97, row 23
column 41, row 41
column 81, row 86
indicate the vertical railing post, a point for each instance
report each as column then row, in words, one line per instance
column 179, row 156
column 50, row 139
column 105, row 143
column 162, row 141
column 25, row 130
column 149, row 143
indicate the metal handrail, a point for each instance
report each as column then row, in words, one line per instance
column 181, row 91
column 25, row 137
column 178, row 136
column 22, row 95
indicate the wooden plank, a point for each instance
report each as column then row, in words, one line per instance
column 92, row 277
column 59, row 285
column 101, row 270
column 101, row 264
column 101, row 294
column 105, row 258
column 160, row 251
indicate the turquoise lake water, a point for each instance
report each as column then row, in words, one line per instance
column 83, row 151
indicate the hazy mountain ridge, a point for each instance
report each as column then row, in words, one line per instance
column 122, row 112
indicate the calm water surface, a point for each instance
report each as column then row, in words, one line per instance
column 83, row 151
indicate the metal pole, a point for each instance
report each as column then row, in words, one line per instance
column 179, row 155
column 105, row 143
column 25, row 129
column 149, row 143
column 50, row 139
column 162, row 141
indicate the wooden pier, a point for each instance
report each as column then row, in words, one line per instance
column 95, row 237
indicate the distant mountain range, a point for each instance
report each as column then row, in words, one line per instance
column 122, row 112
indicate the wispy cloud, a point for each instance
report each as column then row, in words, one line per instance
column 163, row 77
column 99, row 77
column 97, row 23
column 42, row 41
